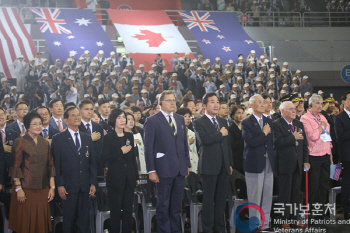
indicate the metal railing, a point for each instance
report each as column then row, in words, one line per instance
column 326, row 19
column 273, row 19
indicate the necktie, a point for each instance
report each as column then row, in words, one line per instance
column 59, row 125
column 23, row 129
column 3, row 136
column 261, row 124
column 88, row 128
column 171, row 123
column 44, row 133
column 215, row 124
column 77, row 143
column 291, row 127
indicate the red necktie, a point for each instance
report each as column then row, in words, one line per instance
column 291, row 127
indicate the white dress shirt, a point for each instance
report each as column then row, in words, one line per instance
column 84, row 123
column 167, row 118
column 56, row 120
column 20, row 125
column 211, row 119
column 73, row 135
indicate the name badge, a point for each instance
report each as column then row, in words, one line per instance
column 87, row 152
column 10, row 142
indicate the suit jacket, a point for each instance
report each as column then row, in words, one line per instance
column 52, row 132
column 342, row 130
column 14, row 127
column 288, row 155
column 73, row 171
column 6, row 158
column 256, row 145
column 237, row 147
column 213, row 147
column 54, row 124
column 164, row 153
column 106, row 126
column 121, row 166
column 97, row 145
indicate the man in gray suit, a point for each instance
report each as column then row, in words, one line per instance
column 258, row 161
column 57, row 110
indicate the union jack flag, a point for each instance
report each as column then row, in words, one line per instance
column 201, row 22
column 50, row 21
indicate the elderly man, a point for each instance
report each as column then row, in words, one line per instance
column 292, row 157
column 258, row 161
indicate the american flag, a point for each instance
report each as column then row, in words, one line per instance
column 14, row 41
column 337, row 171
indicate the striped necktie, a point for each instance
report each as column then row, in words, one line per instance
column 215, row 124
column 172, row 126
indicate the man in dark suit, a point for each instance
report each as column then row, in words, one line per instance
column 292, row 157
column 215, row 163
column 76, row 172
column 21, row 109
column 48, row 131
column 342, row 131
column 258, row 160
column 57, row 109
column 167, row 161
column 86, row 109
column 105, row 110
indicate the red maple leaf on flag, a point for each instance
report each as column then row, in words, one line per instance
column 154, row 39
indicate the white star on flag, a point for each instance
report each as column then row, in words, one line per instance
column 248, row 41
column 57, row 43
column 82, row 47
column 72, row 52
column 206, row 41
column 83, row 21
column 226, row 49
column 99, row 43
column 71, row 37
column 220, row 36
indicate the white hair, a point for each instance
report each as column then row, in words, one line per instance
column 315, row 98
column 252, row 99
column 284, row 104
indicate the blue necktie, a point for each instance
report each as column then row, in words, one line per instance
column 45, row 133
column 215, row 124
column 77, row 143
column 88, row 128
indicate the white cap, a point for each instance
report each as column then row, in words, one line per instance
column 240, row 64
column 96, row 105
column 4, row 80
column 212, row 71
column 81, row 58
column 20, row 56
column 21, row 96
column 45, row 75
column 115, row 95
column 127, row 52
column 134, row 79
column 228, row 72
column 141, row 65
column 97, row 74
column 298, row 71
column 104, row 63
column 191, row 65
column 305, row 77
column 222, row 86
column 117, row 66
column 128, row 64
column 246, row 85
column 285, row 85
column 245, row 96
column 91, row 64
column 217, row 59
column 86, row 74
column 6, row 96
column 283, row 92
column 271, row 70
column 217, row 67
column 69, row 59
column 258, row 85
column 262, row 56
column 295, row 78
column 174, row 74
column 122, row 77
column 261, row 72
column 205, row 62
column 151, row 72
column 164, row 71
column 144, row 91
column 13, row 87
column 274, row 59
column 271, row 91
column 78, row 66
column 273, row 65
column 127, row 95
column 100, row 96
column 194, row 60
column 230, row 61
column 284, row 69
column 237, row 71
column 252, row 72
column 233, row 96
column 100, row 52
column 154, row 65
column 252, row 51
column 72, row 72
column 138, row 72
column 71, row 78
column 187, row 53
column 181, row 59
column 86, row 52
column 239, row 78
column 258, row 79
column 307, row 93
column 125, row 70
column 272, row 76
column 112, row 103
column 95, row 79
column 285, row 63
column 59, row 72
column 112, row 53
column 263, row 65
column 296, row 86
column 114, row 73
column 240, row 57
column 320, row 92
column 95, row 58
column 234, row 85
column 270, row 84
column 199, row 68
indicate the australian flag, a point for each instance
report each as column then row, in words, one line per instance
column 68, row 31
column 219, row 34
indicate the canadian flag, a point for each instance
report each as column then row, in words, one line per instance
column 147, row 33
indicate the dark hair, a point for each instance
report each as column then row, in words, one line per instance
column 53, row 101
column 68, row 105
column 27, row 119
column 102, row 102
column 154, row 106
column 345, row 95
column 133, row 130
column 66, row 112
column 98, row 114
column 19, row 103
column 184, row 111
column 338, row 105
column 127, row 103
column 135, row 109
column 207, row 96
column 114, row 115
column 235, row 109
column 1, row 108
column 265, row 97
column 186, row 103
column 231, row 103
column 84, row 102
column 41, row 107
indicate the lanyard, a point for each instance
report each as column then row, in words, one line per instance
column 315, row 118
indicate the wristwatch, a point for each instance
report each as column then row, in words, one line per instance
column 17, row 189
column 52, row 187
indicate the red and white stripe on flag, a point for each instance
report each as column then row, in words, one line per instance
column 337, row 174
column 146, row 33
column 14, row 40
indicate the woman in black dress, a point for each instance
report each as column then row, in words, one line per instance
column 237, row 142
column 122, row 176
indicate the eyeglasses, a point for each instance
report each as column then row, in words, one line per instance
column 291, row 109
column 36, row 125
column 170, row 101
column 75, row 115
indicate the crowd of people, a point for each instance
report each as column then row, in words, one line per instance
column 102, row 116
